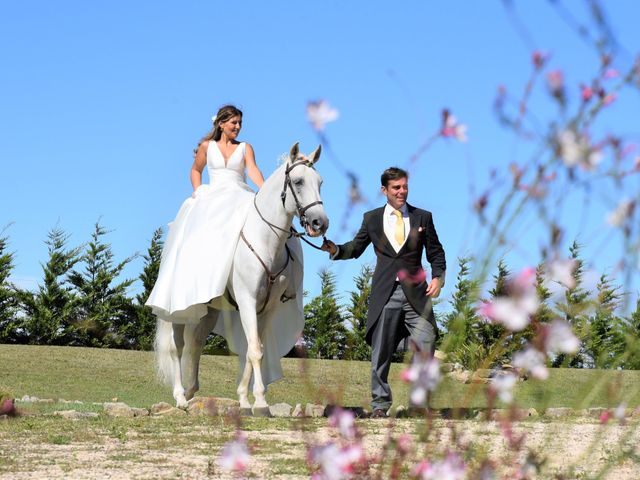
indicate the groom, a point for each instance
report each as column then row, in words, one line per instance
column 400, row 301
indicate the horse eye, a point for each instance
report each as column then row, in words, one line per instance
column 298, row 182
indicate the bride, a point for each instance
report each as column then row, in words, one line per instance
column 198, row 252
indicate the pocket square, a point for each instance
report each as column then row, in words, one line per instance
column 421, row 229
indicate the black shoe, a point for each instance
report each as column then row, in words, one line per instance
column 379, row 413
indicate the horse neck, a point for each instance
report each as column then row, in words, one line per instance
column 269, row 204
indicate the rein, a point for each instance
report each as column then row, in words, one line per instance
column 271, row 277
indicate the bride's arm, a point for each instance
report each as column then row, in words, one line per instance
column 199, row 163
column 252, row 168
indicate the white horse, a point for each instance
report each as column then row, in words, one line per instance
column 263, row 275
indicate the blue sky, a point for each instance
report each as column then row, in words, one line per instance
column 102, row 104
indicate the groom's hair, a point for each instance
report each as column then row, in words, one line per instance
column 392, row 173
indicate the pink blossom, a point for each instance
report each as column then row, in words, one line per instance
column 336, row 463
column 514, row 311
column 560, row 338
column 319, row 113
column 624, row 210
column 586, row 93
column 555, row 81
column 561, row 271
column 636, row 165
column 610, row 73
column 424, row 376
column 404, row 443
column 533, row 361
column 503, row 386
column 576, row 149
column 605, row 416
column 451, row 127
column 344, row 420
column 539, row 59
column 235, row 454
column 609, row 99
column 419, row 277
column 451, row 468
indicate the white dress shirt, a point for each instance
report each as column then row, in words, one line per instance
column 390, row 220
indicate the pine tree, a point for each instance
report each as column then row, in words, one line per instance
column 139, row 332
column 50, row 311
column 458, row 324
column 358, row 349
column 632, row 339
column 574, row 310
column 10, row 325
column 605, row 342
column 324, row 334
column 103, row 305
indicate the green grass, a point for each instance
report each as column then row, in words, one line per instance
column 101, row 375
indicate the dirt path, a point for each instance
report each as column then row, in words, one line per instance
column 584, row 445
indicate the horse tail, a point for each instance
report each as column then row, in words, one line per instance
column 163, row 345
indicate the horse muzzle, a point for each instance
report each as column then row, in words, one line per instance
column 317, row 226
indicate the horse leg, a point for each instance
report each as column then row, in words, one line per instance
column 243, row 387
column 254, row 355
column 168, row 346
column 195, row 336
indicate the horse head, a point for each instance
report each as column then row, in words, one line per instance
column 301, row 192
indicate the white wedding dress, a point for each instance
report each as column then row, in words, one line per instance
column 197, row 259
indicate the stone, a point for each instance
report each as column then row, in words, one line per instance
column 118, row 409
column 280, row 410
column 45, row 400
column 314, row 410
column 447, row 367
column 297, row 411
column 74, row 414
column 461, row 376
column 440, row 355
column 480, row 376
column 213, row 406
column 165, row 410
column 140, row 412
column 559, row 412
column 29, row 399
column 594, row 412
column 532, row 412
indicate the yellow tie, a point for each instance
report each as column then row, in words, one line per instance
column 399, row 227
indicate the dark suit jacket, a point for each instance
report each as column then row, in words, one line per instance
column 422, row 237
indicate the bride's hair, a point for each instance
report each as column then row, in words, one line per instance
column 224, row 114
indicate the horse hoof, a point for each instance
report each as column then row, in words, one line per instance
column 262, row 412
column 246, row 412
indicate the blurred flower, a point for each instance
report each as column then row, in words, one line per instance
column 419, row 277
column 451, row 468
column 503, row 386
column 561, row 271
column 586, row 93
column 336, row 463
column 320, row 113
column 532, row 361
column 623, row 211
column 235, row 454
column 451, row 127
column 404, row 443
column 610, row 73
column 514, row 310
column 609, row 99
column 620, row 412
column 344, row 420
column 604, row 417
column 539, row 59
column 8, row 407
column 559, row 338
column 424, row 376
column 555, row 82
column 575, row 149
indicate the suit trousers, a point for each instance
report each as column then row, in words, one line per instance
column 397, row 318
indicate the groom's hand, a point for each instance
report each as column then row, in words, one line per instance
column 433, row 290
column 329, row 246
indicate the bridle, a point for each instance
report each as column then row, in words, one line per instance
column 272, row 277
column 287, row 183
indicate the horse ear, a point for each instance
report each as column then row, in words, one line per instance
column 295, row 150
column 315, row 155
